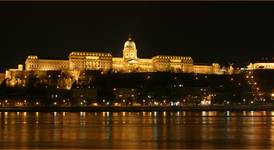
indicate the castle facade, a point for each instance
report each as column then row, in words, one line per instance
column 130, row 62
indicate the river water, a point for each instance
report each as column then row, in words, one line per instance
column 137, row 130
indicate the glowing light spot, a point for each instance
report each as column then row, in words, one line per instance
column 227, row 113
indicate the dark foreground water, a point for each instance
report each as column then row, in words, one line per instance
column 130, row 130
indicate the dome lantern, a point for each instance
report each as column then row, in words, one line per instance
column 130, row 44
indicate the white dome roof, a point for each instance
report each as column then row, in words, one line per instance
column 130, row 44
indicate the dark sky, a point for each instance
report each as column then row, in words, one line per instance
column 224, row 32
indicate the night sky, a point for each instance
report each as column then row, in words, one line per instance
column 224, row 32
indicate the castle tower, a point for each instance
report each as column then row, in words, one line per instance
column 129, row 51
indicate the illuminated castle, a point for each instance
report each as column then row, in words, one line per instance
column 80, row 61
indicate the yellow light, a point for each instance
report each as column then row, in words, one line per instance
column 116, row 104
column 94, row 104
column 92, row 57
column 175, row 60
column 203, row 113
column 82, row 114
column 144, row 113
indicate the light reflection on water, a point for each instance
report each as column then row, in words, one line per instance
column 124, row 130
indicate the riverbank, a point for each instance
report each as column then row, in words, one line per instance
column 117, row 109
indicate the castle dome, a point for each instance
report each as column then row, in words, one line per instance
column 130, row 44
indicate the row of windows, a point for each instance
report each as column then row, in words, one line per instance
column 91, row 64
column 168, row 62
column 265, row 66
column 89, row 54
column 172, row 57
